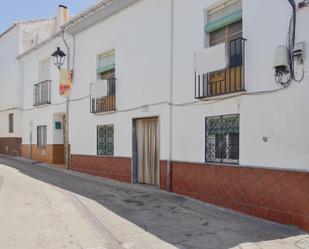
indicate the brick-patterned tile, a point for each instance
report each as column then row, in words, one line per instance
column 277, row 195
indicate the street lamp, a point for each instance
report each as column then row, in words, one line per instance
column 58, row 57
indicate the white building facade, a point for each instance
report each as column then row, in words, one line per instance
column 20, row 37
column 183, row 95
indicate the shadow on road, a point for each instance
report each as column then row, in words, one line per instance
column 177, row 220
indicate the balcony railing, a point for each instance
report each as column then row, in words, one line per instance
column 228, row 80
column 42, row 93
column 103, row 96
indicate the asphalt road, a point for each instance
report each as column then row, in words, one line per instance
column 42, row 207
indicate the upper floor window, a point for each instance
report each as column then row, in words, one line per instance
column 42, row 93
column 11, row 123
column 106, row 65
column 222, row 139
column 103, row 92
column 224, row 22
column 44, row 70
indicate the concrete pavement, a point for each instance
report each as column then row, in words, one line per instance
column 41, row 207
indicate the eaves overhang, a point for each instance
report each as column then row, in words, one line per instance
column 95, row 14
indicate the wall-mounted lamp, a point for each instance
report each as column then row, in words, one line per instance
column 58, row 57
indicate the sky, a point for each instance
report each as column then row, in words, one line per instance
column 20, row 10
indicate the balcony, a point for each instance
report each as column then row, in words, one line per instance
column 41, row 93
column 103, row 96
column 224, row 80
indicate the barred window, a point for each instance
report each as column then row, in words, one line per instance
column 42, row 136
column 105, row 140
column 11, row 123
column 222, row 139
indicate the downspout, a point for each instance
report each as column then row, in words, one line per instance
column 169, row 161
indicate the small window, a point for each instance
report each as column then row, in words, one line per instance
column 11, row 123
column 105, row 140
column 42, row 136
column 42, row 93
column 222, row 139
column 44, row 70
column 106, row 65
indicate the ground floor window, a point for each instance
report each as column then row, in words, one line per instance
column 11, row 123
column 42, row 136
column 105, row 140
column 222, row 139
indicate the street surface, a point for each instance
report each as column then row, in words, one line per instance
column 46, row 208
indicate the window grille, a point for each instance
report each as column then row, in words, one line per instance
column 105, row 140
column 222, row 139
column 11, row 123
column 42, row 93
column 42, row 136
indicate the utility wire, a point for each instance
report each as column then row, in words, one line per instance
column 191, row 103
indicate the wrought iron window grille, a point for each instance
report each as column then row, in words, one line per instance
column 105, row 140
column 222, row 139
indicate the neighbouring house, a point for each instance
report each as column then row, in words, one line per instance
column 20, row 37
column 183, row 95
column 44, row 110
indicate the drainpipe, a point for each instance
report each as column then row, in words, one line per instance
column 169, row 161
column 67, row 160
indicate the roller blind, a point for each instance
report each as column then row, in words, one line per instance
column 223, row 14
column 106, row 62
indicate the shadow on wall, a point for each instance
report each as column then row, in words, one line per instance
column 172, row 218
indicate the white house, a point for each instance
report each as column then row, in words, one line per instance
column 204, row 98
column 183, row 95
column 44, row 110
column 20, row 37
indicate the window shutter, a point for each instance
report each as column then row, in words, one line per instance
column 223, row 15
column 106, row 62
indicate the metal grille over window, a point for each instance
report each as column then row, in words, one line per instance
column 42, row 93
column 11, row 123
column 42, row 136
column 222, row 139
column 105, row 140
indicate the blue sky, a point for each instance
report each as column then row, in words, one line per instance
column 20, row 10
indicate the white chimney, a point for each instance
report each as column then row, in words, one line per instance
column 62, row 15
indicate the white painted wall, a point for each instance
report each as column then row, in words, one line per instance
column 10, row 88
column 141, row 40
column 46, row 114
column 140, row 36
column 279, row 116
column 22, row 36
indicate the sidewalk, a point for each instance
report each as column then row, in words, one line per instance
column 176, row 220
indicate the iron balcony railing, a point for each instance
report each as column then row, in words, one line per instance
column 103, row 96
column 42, row 93
column 228, row 80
